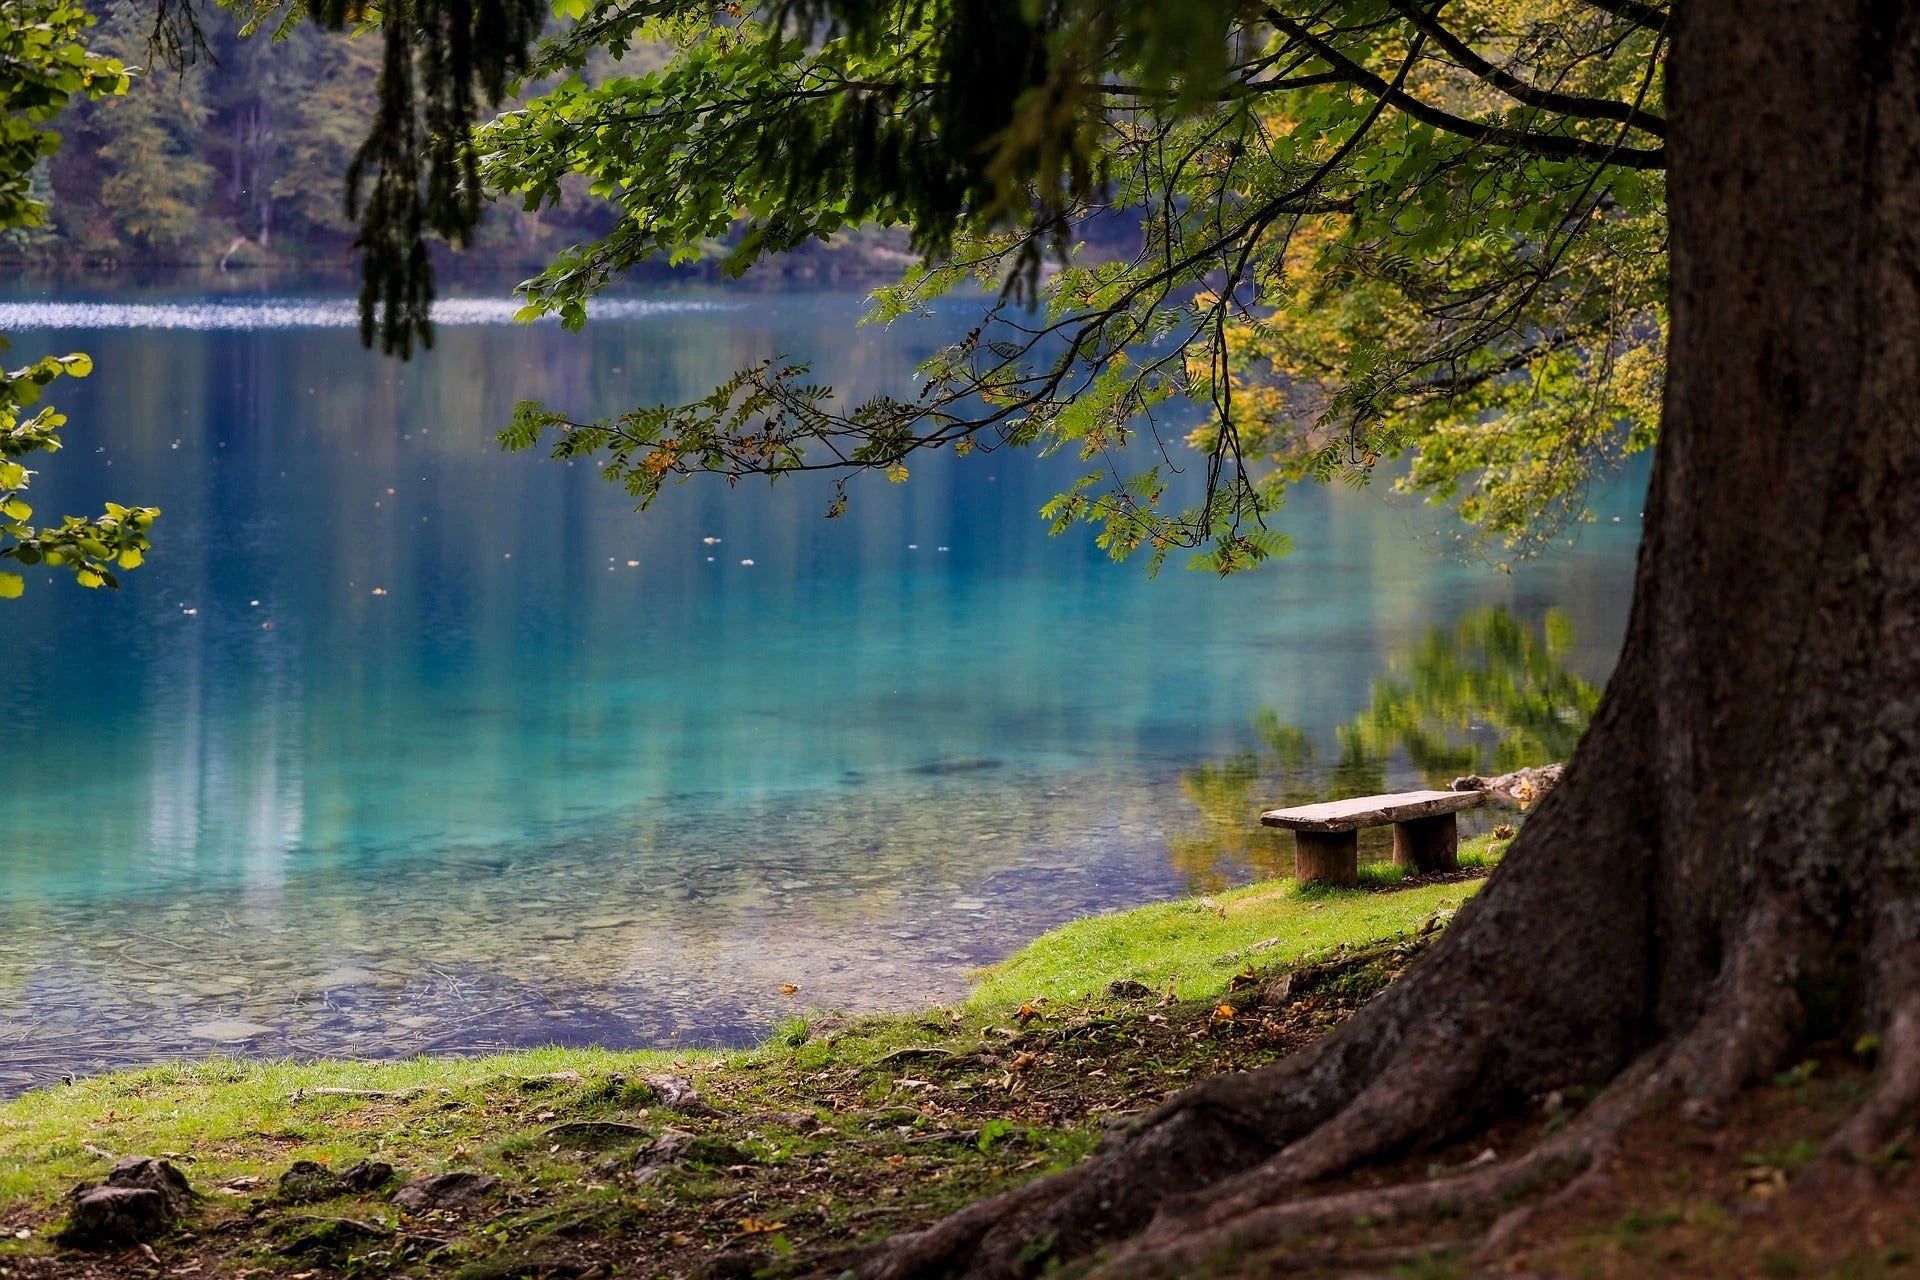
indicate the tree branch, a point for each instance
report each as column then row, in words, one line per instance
column 1519, row 90
column 1651, row 16
column 1553, row 146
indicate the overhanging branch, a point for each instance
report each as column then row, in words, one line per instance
column 1550, row 145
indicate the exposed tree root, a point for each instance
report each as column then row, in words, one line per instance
column 1752, row 1012
column 1559, row 1157
column 1894, row 1101
column 1212, row 1175
column 937, row 1249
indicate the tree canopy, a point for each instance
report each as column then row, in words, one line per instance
column 1303, row 238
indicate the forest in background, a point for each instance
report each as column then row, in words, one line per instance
column 238, row 160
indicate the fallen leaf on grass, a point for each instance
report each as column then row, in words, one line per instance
column 758, row 1226
column 1245, row 978
column 1224, row 1013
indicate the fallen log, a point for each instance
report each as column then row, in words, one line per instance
column 1521, row 789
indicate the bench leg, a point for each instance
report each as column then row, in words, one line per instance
column 1427, row 844
column 1326, row 857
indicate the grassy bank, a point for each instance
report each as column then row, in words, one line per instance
column 834, row 1131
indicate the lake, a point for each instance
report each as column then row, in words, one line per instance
column 398, row 744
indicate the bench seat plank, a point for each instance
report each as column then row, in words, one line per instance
column 1371, row 811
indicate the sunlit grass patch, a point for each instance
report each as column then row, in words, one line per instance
column 1191, row 944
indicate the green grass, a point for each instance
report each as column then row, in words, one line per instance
column 214, row 1110
column 1196, row 944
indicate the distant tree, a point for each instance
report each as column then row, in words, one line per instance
column 154, row 183
column 44, row 63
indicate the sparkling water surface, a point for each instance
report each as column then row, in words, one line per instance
column 399, row 744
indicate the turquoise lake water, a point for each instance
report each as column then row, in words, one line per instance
column 401, row 744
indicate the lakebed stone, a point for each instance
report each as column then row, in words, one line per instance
column 227, row 1030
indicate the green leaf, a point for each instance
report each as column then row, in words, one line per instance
column 11, row 585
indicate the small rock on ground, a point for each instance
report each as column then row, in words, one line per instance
column 676, row 1094
column 140, row 1200
column 309, row 1183
column 454, row 1189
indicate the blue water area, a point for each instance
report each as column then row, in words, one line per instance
column 399, row 743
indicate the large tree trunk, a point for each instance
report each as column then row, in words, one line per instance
column 1731, row 867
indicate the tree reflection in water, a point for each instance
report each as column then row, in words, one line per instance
column 1486, row 695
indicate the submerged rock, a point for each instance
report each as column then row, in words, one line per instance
column 227, row 1030
column 140, row 1200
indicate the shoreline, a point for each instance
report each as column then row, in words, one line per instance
column 1000, row 1069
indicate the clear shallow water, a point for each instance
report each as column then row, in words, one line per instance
column 400, row 744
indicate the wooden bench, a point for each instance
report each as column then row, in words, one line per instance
column 1326, row 837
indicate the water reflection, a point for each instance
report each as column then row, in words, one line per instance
column 1487, row 694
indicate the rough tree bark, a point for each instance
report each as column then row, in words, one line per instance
column 1731, row 868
